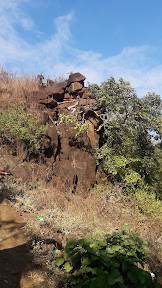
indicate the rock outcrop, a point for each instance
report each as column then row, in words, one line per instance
column 67, row 161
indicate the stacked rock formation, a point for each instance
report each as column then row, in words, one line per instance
column 66, row 90
column 67, row 160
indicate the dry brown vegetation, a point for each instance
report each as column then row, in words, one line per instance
column 103, row 211
column 14, row 85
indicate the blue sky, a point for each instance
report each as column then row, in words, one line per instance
column 99, row 38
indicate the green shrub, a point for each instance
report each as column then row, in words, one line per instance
column 16, row 126
column 107, row 261
column 148, row 204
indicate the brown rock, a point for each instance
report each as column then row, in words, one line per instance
column 98, row 112
column 88, row 102
column 22, row 171
column 93, row 136
column 74, row 87
column 43, row 117
column 56, row 88
column 35, row 96
column 49, row 103
column 85, row 95
column 76, row 77
column 101, row 178
column 67, row 96
column 66, row 105
column 78, row 172
column 76, row 167
column 81, row 92
column 52, row 134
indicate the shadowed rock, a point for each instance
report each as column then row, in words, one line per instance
column 49, row 103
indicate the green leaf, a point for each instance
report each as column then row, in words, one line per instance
column 97, row 270
column 115, row 272
column 68, row 267
column 100, row 281
column 59, row 261
column 133, row 277
column 71, row 243
column 87, row 261
column 111, row 280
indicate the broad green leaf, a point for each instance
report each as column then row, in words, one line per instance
column 87, row 261
column 97, row 271
column 133, row 277
column 111, row 280
column 68, row 267
column 59, row 261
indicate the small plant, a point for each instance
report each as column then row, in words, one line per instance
column 108, row 261
column 40, row 80
column 80, row 127
column 66, row 119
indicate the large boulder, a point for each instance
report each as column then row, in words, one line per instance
column 74, row 87
column 57, row 88
column 78, row 172
column 75, row 77
column 75, row 166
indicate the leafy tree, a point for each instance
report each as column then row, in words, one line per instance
column 129, row 126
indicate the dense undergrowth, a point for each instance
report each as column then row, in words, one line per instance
column 131, row 163
column 107, row 261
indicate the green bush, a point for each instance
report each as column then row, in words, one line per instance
column 148, row 204
column 17, row 127
column 107, row 261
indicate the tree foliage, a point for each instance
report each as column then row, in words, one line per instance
column 130, row 126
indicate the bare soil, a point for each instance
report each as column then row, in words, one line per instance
column 17, row 266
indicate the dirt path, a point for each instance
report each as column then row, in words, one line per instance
column 16, row 262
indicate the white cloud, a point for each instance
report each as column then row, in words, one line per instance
column 11, row 14
column 55, row 56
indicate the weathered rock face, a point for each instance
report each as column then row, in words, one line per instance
column 67, row 161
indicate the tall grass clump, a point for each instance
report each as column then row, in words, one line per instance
column 14, row 85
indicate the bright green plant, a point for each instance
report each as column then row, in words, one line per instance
column 147, row 203
column 107, row 261
column 16, row 127
column 81, row 128
column 66, row 118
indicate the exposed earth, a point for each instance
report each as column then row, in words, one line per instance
column 17, row 266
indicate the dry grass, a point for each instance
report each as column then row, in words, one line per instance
column 14, row 85
column 103, row 211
